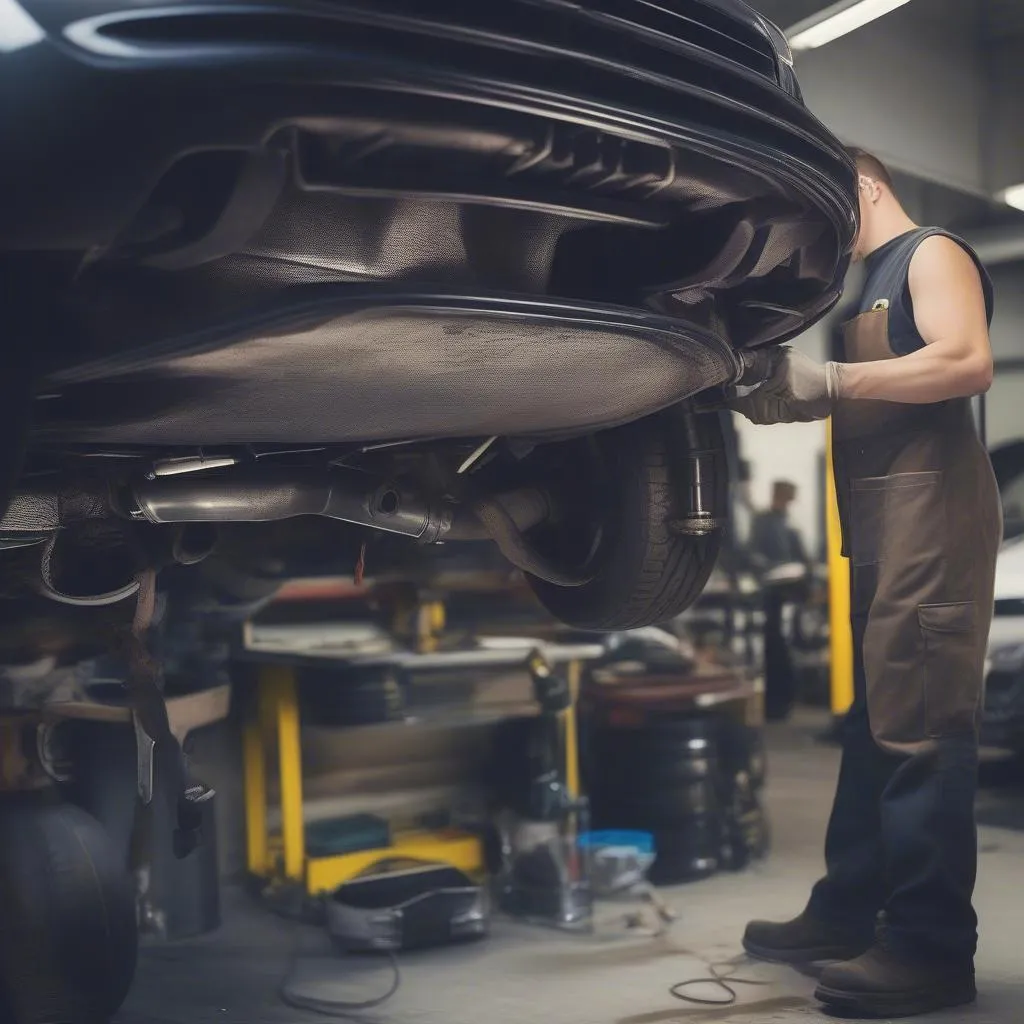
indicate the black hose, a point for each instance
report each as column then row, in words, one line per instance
column 337, row 1007
column 716, row 978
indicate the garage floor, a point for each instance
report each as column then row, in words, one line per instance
column 522, row 974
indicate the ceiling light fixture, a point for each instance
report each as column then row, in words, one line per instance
column 17, row 29
column 1013, row 196
column 837, row 20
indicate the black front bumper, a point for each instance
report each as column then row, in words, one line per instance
column 110, row 94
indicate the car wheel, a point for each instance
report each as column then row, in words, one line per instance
column 642, row 568
column 69, row 938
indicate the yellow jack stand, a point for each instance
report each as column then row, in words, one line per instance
column 275, row 725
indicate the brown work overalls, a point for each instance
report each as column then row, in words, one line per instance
column 922, row 523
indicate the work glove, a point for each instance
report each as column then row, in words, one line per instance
column 796, row 390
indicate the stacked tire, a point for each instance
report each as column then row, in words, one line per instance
column 694, row 781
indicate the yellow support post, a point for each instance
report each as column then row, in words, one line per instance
column 255, row 766
column 840, row 633
column 430, row 620
column 572, row 757
column 280, row 681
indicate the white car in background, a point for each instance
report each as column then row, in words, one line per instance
column 1003, row 716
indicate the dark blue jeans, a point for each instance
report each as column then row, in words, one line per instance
column 902, row 839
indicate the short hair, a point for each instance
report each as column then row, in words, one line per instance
column 783, row 490
column 869, row 164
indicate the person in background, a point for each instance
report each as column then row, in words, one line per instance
column 774, row 542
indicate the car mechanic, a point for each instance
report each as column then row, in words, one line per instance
column 922, row 523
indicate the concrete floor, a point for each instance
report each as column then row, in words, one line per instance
column 522, row 974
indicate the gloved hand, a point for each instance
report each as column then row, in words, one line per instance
column 797, row 390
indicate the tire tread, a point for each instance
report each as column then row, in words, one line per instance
column 660, row 573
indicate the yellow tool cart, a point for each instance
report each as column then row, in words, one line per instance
column 272, row 742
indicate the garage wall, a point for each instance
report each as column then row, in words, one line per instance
column 1006, row 399
column 908, row 89
column 1004, row 150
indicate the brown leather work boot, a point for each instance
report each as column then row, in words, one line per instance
column 882, row 983
column 805, row 940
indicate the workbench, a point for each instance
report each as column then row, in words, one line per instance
column 272, row 740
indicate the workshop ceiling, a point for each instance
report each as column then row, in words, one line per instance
column 1001, row 19
column 935, row 88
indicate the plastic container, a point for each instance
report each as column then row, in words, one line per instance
column 618, row 859
column 642, row 842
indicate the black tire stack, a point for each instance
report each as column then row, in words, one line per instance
column 694, row 781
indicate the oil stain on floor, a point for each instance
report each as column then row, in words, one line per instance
column 763, row 1011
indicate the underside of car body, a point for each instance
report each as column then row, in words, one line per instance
column 448, row 271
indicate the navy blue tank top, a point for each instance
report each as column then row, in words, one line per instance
column 887, row 286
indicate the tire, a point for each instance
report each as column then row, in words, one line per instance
column 657, row 775
column 687, row 852
column 68, row 944
column 646, row 572
column 662, row 808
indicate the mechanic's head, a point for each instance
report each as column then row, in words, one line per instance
column 882, row 216
column 783, row 495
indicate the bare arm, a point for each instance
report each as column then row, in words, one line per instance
column 949, row 311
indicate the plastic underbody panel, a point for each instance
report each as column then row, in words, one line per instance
column 325, row 221
column 332, row 370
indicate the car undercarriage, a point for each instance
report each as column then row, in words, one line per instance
column 301, row 266
column 368, row 278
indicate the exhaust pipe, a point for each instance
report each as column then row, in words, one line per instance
column 268, row 495
column 271, row 494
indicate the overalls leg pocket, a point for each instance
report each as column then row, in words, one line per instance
column 949, row 634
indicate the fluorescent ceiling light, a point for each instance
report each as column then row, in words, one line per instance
column 17, row 29
column 837, row 20
column 1013, row 196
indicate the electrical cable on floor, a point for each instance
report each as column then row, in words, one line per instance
column 717, row 978
column 331, row 1007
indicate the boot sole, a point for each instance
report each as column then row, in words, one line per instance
column 902, row 1004
column 803, row 957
